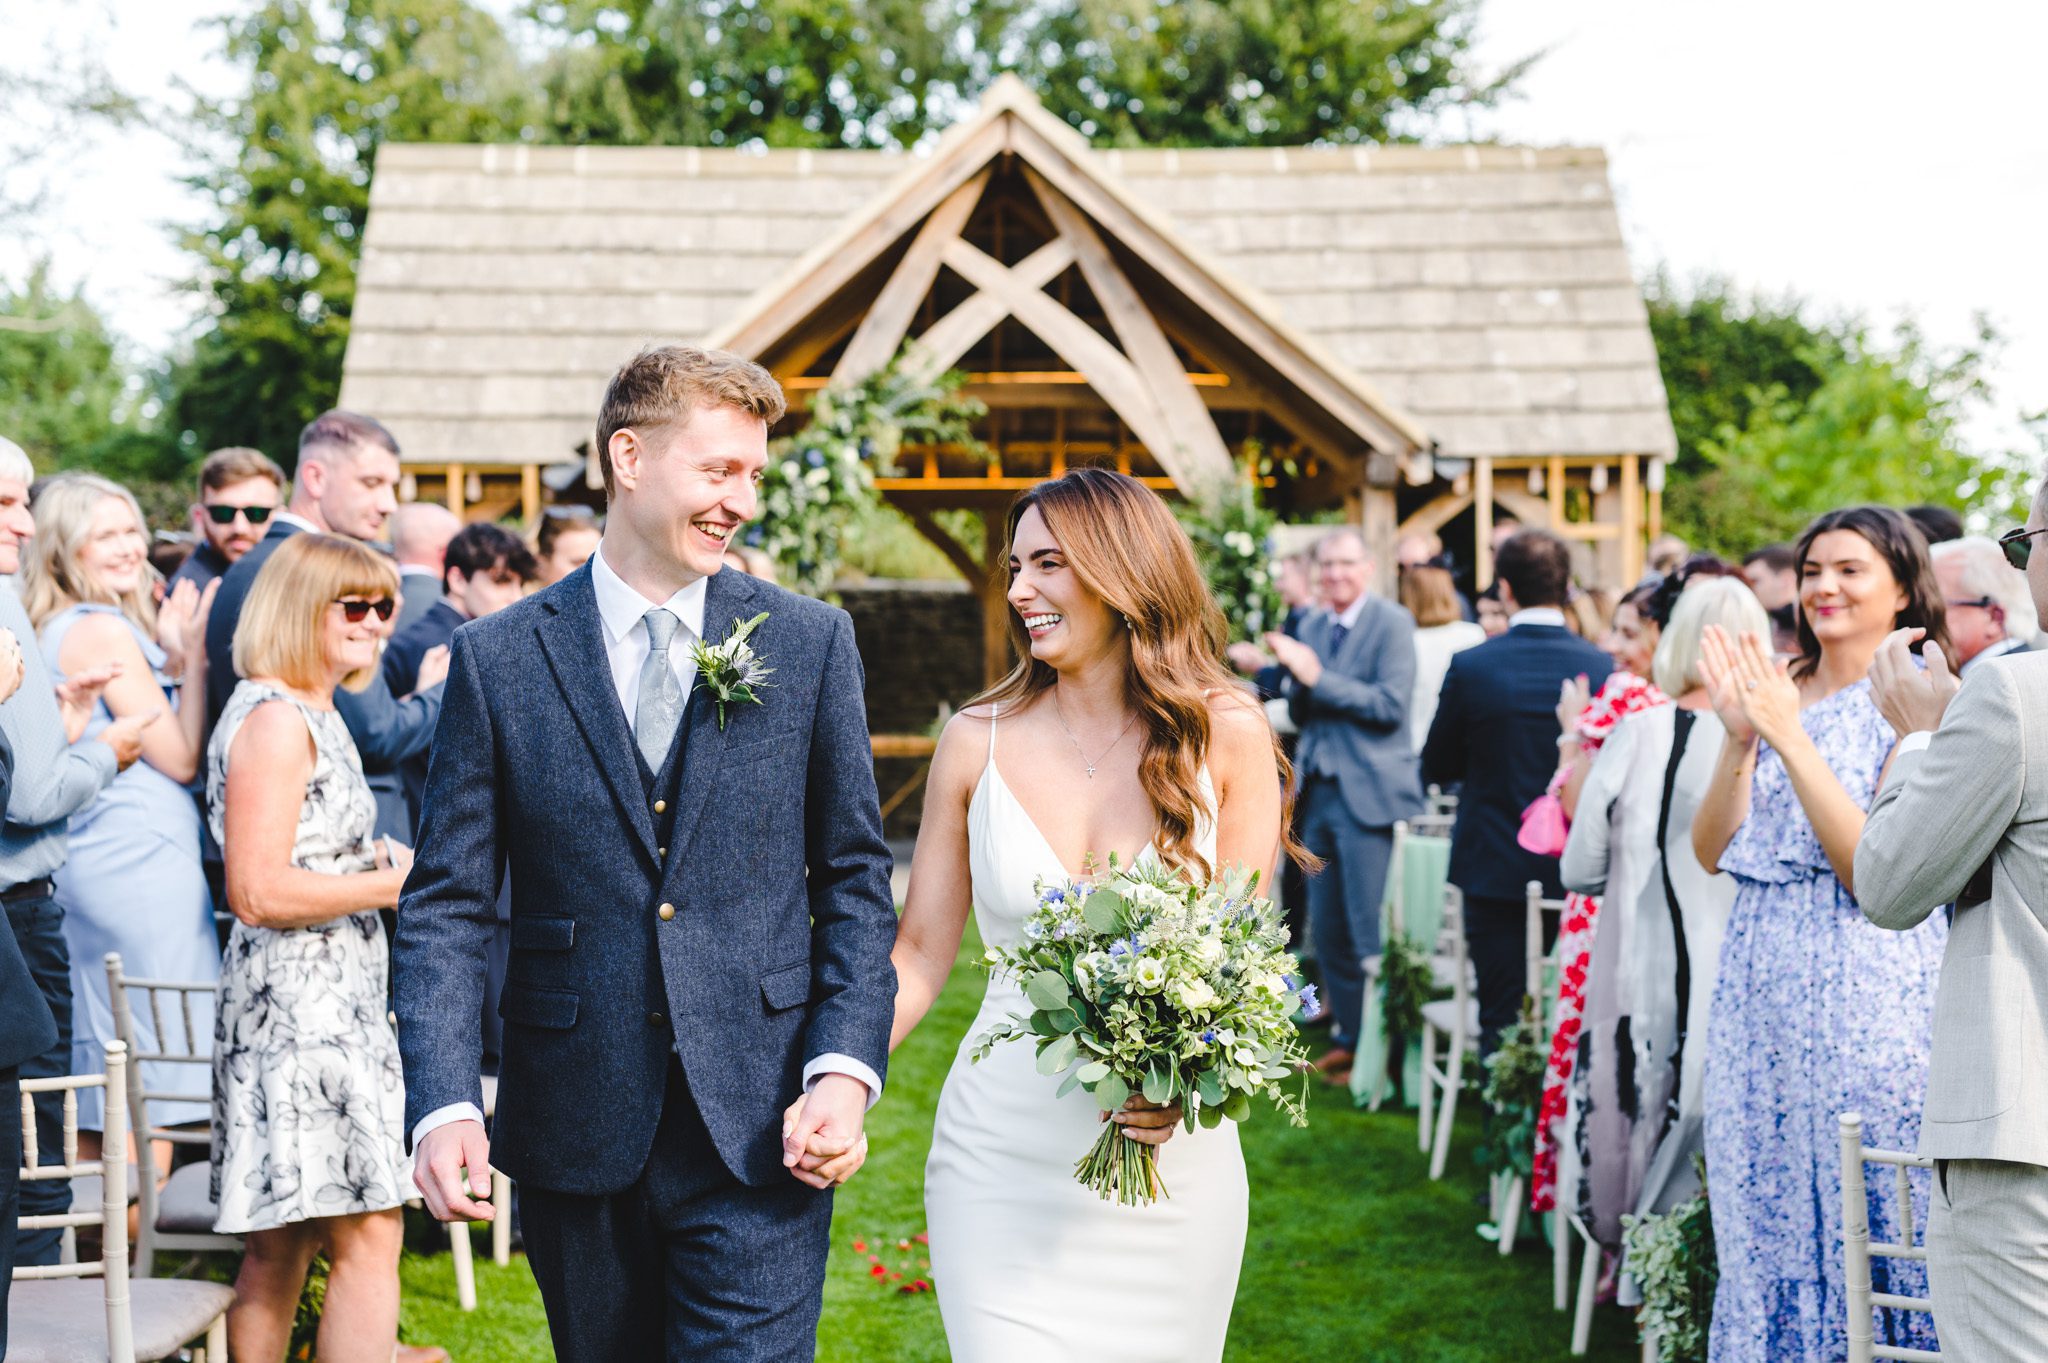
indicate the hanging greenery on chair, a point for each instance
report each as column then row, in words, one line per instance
column 1233, row 539
column 1514, row 1093
column 1406, row 983
column 822, row 476
column 1672, row 1259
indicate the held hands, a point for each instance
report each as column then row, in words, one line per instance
column 1572, row 699
column 1297, row 657
column 1913, row 700
column 438, row 1164
column 1753, row 693
column 822, row 1141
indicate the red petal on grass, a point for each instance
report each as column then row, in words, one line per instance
column 878, row 1272
column 860, row 1247
column 922, row 1238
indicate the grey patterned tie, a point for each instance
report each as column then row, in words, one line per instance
column 660, row 707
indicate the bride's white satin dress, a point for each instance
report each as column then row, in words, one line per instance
column 1028, row 1264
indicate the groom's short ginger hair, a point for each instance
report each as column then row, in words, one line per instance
column 664, row 384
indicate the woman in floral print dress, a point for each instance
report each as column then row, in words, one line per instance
column 1816, row 1011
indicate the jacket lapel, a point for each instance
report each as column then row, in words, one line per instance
column 726, row 599
column 572, row 638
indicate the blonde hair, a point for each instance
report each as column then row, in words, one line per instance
column 1125, row 546
column 52, row 577
column 663, row 385
column 1724, row 601
column 280, row 633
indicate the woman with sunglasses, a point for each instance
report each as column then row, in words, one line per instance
column 308, row 1097
column 132, row 882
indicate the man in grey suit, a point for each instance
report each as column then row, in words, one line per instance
column 1350, row 675
column 1963, row 818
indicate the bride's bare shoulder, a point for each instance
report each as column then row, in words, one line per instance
column 1240, row 738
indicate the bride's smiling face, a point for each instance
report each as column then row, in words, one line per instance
column 1067, row 623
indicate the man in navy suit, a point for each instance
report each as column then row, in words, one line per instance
column 346, row 484
column 1496, row 732
column 1350, row 675
column 701, row 913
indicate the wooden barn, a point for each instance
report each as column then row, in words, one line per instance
column 1434, row 336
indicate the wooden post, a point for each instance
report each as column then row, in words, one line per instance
column 455, row 476
column 1656, row 482
column 1376, row 519
column 995, row 606
column 1632, row 541
column 1482, row 521
column 1555, row 491
column 529, row 495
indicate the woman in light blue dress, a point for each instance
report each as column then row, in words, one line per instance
column 132, row 882
column 1816, row 1011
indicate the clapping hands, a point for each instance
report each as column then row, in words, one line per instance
column 181, row 626
column 1753, row 693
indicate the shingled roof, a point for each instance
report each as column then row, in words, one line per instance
column 1484, row 292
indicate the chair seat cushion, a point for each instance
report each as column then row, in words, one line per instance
column 1444, row 970
column 1443, row 1015
column 85, row 1191
column 185, row 1207
column 64, row 1320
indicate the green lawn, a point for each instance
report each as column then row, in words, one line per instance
column 1353, row 1253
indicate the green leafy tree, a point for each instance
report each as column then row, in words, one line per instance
column 1224, row 73
column 62, row 395
column 330, row 81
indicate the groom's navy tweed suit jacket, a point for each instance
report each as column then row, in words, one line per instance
column 767, row 845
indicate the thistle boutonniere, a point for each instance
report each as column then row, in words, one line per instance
column 730, row 670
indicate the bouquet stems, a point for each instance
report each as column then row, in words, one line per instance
column 1117, row 1167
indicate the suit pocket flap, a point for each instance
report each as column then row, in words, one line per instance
column 532, row 932
column 787, row 987
column 554, row 1009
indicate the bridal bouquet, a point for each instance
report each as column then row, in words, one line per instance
column 1142, row 982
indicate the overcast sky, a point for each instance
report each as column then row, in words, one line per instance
column 1872, row 156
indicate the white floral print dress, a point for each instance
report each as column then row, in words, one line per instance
column 308, row 1095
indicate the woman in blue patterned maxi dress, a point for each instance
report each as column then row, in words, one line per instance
column 1816, row 1012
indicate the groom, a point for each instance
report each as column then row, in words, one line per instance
column 701, row 914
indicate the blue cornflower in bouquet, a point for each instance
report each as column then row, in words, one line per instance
column 1142, row 981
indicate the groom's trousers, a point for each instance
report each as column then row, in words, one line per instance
column 686, row 1263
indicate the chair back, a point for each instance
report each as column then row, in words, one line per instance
column 179, row 1046
column 111, row 1216
column 1858, row 1249
column 1541, row 973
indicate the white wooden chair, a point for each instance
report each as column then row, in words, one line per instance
column 1538, row 982
column 1858, row 1248
column 179, row 1214
column 1450, row 1032
column 56, row 1313
column 459, row 1248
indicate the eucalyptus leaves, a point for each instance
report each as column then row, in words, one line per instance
column 1143, row 982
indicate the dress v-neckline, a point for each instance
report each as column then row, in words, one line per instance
column 992, row 770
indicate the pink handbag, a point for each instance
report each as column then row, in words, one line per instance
column 1544, row 826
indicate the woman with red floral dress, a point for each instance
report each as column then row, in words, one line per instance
column 1584, row 723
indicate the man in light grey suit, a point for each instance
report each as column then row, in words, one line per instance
column 1350, row 676
column 1963, row 818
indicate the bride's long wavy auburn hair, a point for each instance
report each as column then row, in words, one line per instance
column 1125, row 546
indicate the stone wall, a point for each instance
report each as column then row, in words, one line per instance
column 920, row 643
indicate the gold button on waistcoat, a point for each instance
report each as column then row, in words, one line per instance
column 666, row 912
column 661, row 806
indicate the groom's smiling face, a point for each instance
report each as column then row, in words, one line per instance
column 690, row 488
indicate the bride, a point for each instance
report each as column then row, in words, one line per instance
column 1117, row 733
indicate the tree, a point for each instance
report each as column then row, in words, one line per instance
column 1224, row 73
column 331, row 80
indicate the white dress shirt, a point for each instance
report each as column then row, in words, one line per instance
column 622, row 609
column 1997, row 650
column 1537, row 615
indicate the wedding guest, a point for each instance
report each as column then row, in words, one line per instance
column 1350, row 679
column 308, row 1103
column 132, row 883
column 751, row 561
column 56, row 773
column 1986, row 1122
column 1773, row 576
column 1425, row 549
column 1990, row 608
column 347, row 479
column 1505, row 528
column 168, row 553
column 1936, row 524
column 565, row 540
column 1585, row 719
column 1817, row 1011
column 420, row 532
column 1493, row 616
column 1650, row 975
column 1296, row 587
column 1496, row 731
column 26, row 1028
column 1441, row 629
column 1665, row 555
column 239, row 491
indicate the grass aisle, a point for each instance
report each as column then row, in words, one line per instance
column 1353, row 1254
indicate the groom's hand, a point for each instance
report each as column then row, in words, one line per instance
column 438, row 1165
column 822, row 1140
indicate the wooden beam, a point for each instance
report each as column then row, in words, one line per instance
column 529, row 494
column 455, row 477
column 1632, row 542
column 964, row 563
column 995, row 606
column 1198, row 459
column 1482, row 521
column 953, row 335
column 888, row 318
column 1554, row 490
column 1079, row 344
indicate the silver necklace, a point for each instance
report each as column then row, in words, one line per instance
column 1060, row 714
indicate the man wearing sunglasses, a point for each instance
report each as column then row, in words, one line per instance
column 1990, row 610
column 1962, row 819
column 239, row 488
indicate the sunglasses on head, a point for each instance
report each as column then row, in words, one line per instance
column 355, row 611
column 2019, row 545
column 222, row 514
